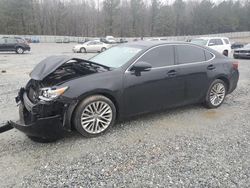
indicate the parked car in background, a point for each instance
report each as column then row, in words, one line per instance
column 219, row 44
column 59, row 40
column 237, row 45
column 66, row 40
column 110, row 39
column 123, row 40
column 242, row 52
column 35, row 39
column 81, row 41
column 67, row 93
column 156, row 39
column 18, row 45
column 91, row 46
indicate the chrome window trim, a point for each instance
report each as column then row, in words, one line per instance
column 128, row 71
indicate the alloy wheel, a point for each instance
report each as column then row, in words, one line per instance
column 217, row 94
column 96, row 117
column 19, row 50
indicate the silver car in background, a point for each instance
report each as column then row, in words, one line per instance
column 91, row 46
column 242, row 52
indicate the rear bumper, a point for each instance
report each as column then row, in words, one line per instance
column 233, row 81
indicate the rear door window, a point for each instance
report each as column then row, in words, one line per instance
column 189, row 54
column 2, row 41
column 215, row 42
column 160, row 56
column 11, row 41
column 208, row 55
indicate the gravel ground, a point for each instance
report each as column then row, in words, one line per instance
column 184, row 147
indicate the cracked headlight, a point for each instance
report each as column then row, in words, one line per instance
column 50, row 94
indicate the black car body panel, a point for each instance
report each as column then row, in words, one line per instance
column 47, row 66
column 132, row 93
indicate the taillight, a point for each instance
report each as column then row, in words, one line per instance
column 236, row 65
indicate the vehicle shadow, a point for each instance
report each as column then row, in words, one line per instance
column 133, row 121
column 13, row 53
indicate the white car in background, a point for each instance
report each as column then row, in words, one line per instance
column 110, row 39
column 91, row 46
column 219, row 44
column 156, row 39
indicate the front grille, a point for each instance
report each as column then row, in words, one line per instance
column 244, row 51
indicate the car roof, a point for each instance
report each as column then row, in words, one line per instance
column 148, row 44
column 145, row 45
column 207, row 38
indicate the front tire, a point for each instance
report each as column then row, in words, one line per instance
column 216, row 94
column 83, row 50
column 19, row 50
column 103, row 49
column 94, row 116
column 225, row 53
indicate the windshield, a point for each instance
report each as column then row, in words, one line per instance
column 116, row 56
column 199, row 42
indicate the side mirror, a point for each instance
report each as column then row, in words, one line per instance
column 211, row 44
column 141, row 66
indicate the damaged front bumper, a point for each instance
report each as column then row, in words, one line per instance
column 43, row 120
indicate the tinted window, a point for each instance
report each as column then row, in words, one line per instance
column 20, row 40
column 2, row 41
column 226, row 41
column 160, row 56
column 11, row 41
column 208, row 55
column 92, row 43
column 214, row 42
column 189, row 54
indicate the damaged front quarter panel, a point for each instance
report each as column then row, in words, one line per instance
column 44, row 118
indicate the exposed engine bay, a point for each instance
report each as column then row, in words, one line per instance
column 67, row 70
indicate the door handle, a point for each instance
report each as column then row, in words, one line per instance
column 171, row 73
column 211, row 67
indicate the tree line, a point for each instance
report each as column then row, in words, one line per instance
column 122, row 18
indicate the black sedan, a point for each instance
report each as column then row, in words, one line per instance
column 242, row 52
column 14, row 44
column 91, row 95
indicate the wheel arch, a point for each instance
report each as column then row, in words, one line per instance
column 224, row 79
column 105, row 93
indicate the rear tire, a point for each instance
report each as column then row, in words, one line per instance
column 19, row 50
column 94, row 116
column 225, row 53
column 216, row 94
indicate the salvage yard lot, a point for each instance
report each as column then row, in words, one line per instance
column 185, row 147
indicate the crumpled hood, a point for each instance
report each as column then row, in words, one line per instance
column 47, row 66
